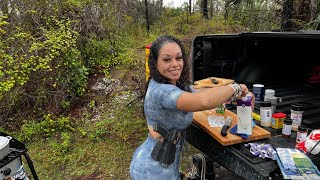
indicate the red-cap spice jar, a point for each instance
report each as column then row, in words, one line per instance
column 277, row 120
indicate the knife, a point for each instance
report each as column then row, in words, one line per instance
column 227, row 123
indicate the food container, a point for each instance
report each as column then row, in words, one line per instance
column 244, row 116
column 277, row 120
column 4, row 146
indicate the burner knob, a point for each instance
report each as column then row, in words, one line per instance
column 6, row 171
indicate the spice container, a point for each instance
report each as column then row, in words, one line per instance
column 221, row 108
column 277, row 120
column 258, row 92
column 265, row 113
column 269, row 96
column 296, row 115
column 302, row 134
column 286, row 129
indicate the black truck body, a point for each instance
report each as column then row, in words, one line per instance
column 287, row 62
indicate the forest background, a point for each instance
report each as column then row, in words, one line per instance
column 72, row 73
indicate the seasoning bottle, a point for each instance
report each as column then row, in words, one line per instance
column 296, row 115
column 302, row 134
column 258, row 92
column 269, row 96
column 277, row 120
column 286, row 129
column 221, row 108
column 265, row 113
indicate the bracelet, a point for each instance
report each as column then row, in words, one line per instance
column 237, row 90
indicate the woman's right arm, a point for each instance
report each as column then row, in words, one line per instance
column 207, row 98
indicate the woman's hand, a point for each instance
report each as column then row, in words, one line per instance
column 253, row 99
column 246, row 91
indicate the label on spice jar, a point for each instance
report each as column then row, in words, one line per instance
column 221, row 109
column 286, row 130
column 296, row 119
column 301, row 136
column 276, row 123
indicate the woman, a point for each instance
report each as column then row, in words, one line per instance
column 168, row 107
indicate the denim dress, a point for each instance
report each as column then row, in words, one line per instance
column 160, row 107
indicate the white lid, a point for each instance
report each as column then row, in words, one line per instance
column 3, row 141
column 269, row 92
column 258, row 85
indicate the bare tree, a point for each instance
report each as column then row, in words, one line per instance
column 147, row 15
column 190, row 6
column 211, row 8
column 205, row 9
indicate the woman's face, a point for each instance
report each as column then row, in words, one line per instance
column 170, row 62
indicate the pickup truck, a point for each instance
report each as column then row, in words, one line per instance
column 287, row 62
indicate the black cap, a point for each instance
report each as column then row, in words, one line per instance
column 302, row 128
column 287, row 120
column 265, row 104
column 297, row 107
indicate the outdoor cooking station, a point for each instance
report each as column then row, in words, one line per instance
column 280, row 61
column 11, row 165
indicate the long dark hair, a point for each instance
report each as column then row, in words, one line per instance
column 184, row 80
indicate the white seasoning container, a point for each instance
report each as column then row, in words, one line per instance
column 269, row 96
column 286, row 128
column 296, row 115
column 265, row 113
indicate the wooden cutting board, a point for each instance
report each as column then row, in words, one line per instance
column 211, row 82
column 201, row 119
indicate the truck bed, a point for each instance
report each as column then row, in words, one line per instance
column 238, row 159
column 281, row 61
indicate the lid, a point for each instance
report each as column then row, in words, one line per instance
column 297, row 107
column 148, row 46
column 258, row 85
column 287, row 121
column 3, row 141
column 269, row 92
column 265, row 104
column 302, row 128
column 279, row 115
column 244, row 101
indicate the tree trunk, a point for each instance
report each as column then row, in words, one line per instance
column 226, row 12
column 211, row 8
column 307, row 10
column 161, row 6
column 147, row 15
column 286, row 15
column 205, row 9
column 190, row 7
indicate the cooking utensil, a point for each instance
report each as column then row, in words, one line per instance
column 4, row 146
column 227, row 123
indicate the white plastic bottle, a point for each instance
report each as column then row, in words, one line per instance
column 269, row 96
column 265, row 113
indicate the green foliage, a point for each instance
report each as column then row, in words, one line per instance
column 14, row 65
column 48, row 67
column 92, row 104
column 48, row 127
